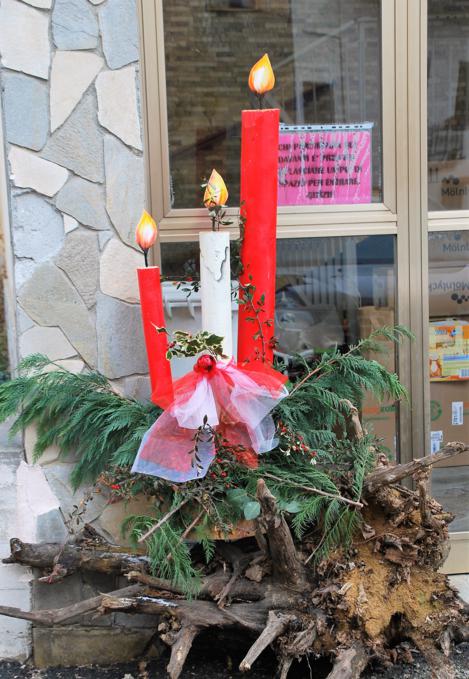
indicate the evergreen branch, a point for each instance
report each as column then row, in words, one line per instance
column 162, row 521
column 308, row 489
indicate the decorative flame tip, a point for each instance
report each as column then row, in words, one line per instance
column 261, row 77
column 216, row 193
column 146, row 231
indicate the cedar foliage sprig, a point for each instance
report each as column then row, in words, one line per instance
column 80, row 414
column 84, row 415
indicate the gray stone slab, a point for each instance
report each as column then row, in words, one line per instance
column 450, row 486
column 136, row 386
column 23, row 93
column 8, row 442
column 78, row 144
column 74, row 25
column 15, row 636
column 23, row 271
column 119, row 30
column 24, row 39
column 23, row 322
column 121, row 346
column 50, row 299
column 84, row 201
column 79, row 258
column 461, row 582
column 69, row 591
column 50, row 527
column 72, row 646
column 58, row 477
column 125, row 190
column 38, row 232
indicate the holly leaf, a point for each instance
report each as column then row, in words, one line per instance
column 237, row 497
column 252, row 510
column 292, row 507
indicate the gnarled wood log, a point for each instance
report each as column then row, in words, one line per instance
column 386, row 475
column 276, row 625
column 361, row 599
column 350, row 663
column 72, row 557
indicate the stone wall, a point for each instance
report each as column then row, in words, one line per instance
column 70, row 98
column 69, row 76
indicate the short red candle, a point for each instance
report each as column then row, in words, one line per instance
column 259, row 182
column 151, row 300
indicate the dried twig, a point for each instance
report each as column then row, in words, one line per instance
column 309, row 489
column 162, row 521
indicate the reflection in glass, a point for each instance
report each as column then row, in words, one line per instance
column 448, row 105
column 326, row 57
column 449, row 367
column 332, row 292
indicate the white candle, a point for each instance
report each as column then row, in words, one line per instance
column 215, row 286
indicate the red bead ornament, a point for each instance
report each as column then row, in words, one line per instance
column 205, row 364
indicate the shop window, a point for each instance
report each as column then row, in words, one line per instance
column 326, row 58
column 448, row 105
column 333, row 292
column 449, row 367
column 330, row 292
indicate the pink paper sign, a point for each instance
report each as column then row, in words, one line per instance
column 321, row 165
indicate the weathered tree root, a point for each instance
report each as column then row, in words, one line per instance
column 350, row 662
column 355, row 607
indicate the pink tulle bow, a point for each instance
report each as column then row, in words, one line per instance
column 234, row 401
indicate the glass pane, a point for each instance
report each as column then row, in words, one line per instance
column 449, row 367
column 326, row 57
column 448, row 105
column 332, row 292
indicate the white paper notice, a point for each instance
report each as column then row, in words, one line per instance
column 436, row 439
column 457, row 412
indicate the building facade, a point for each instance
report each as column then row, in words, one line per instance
column 110, row 105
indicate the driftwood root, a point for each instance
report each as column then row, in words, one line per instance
column 360, row 601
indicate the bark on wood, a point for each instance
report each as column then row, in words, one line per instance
column 113, row 561
column 58, row 616
column 275, row 595
column 180, row 650
column 286, row 564
column 440, row 664
column 285, row 665
column 276, row 625
column 384, row 476
column 350, row 663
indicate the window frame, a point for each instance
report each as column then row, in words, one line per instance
column 403, row 212
column 296, row 221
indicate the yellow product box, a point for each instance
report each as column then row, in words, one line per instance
column 449, row 351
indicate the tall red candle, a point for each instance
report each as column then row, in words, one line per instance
column 151, row 300
column 259, row 181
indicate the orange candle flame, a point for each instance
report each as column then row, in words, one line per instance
column 261, row 77
column 146, row 231
column 216, row 193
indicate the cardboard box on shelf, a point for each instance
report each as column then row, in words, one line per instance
column 449, row 414
column 380, row 420
column 448, row 350
column 448, row 289
column 372, row 318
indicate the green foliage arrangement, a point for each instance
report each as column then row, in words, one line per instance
column 82, row 414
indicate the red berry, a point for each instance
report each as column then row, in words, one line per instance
column 205, row 364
